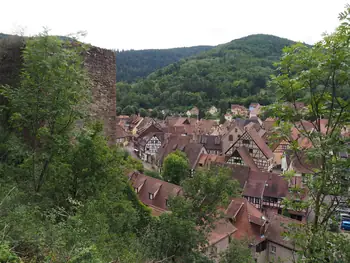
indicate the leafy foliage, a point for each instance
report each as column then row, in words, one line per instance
column 235, row 72
column 238, row 252
column 176, row 167
column 135, row 64
column 320, row 77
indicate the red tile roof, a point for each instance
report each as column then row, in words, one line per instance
column 278, row 226
column 161, row 190
column 260, row 143
column 247, row 159
column 120, row 132
column 248, row 220
column 222, row 229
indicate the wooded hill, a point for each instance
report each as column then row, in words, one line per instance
column 134, row 64
column 235, row 72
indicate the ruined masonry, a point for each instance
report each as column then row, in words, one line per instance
column 101, row 66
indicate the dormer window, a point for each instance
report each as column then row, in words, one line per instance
column 150, row 196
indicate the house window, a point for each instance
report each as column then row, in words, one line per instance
column 236, row 130
column 150, row 196
column 250, row 150
column 230, row 138
column 245, row 141
column 256, row 201
column 273, row 249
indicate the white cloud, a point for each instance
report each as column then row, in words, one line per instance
column 141, row 24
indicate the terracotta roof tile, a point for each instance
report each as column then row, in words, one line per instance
column 279, row 225
column 247, row 159
column 222, row 229
column 120, row 132
column 248, row 220
column 160, row 189
column 260, row 143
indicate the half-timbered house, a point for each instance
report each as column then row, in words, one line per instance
column 257, row 148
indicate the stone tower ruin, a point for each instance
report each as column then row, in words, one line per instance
column 101, row 67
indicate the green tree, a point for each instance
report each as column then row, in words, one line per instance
column 182, row 235
column 237, row 252
column 6, row 255
column 143, row 112
column 128, row 110
column 320, row 77
column 118, row 110
column 51, row 97
column 175, row 167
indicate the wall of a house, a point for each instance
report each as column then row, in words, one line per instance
column 283, row 254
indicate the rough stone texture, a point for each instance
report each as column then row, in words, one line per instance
column 10, row 59
column 101, row 67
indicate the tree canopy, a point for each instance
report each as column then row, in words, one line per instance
column 138, row 64
column 235, row 72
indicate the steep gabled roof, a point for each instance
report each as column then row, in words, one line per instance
column 120, row 132
column 171, row 144
column 248, row 220
column 247, row 159
column 161, row 190
column 277, row 227
column 222, row 229
column 259, row 141
column 193, row 152
column 210, row 142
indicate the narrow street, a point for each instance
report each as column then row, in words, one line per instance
column 130, row 149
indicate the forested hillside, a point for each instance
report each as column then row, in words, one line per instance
column 235, row 72
column 134, row 64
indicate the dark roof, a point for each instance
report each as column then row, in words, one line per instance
column 171, row 143
column 160, row 189
column 193, row 152
column 254, row 188
column 260, row 143
column 247, row 159
column 255, row 182
column 149, row 128
column 275, row 185
column 210, row 142
column 278, row 226
column 120, row 132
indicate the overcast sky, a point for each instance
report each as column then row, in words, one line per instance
column 143, row 24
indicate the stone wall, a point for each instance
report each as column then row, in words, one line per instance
column 101, row 67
